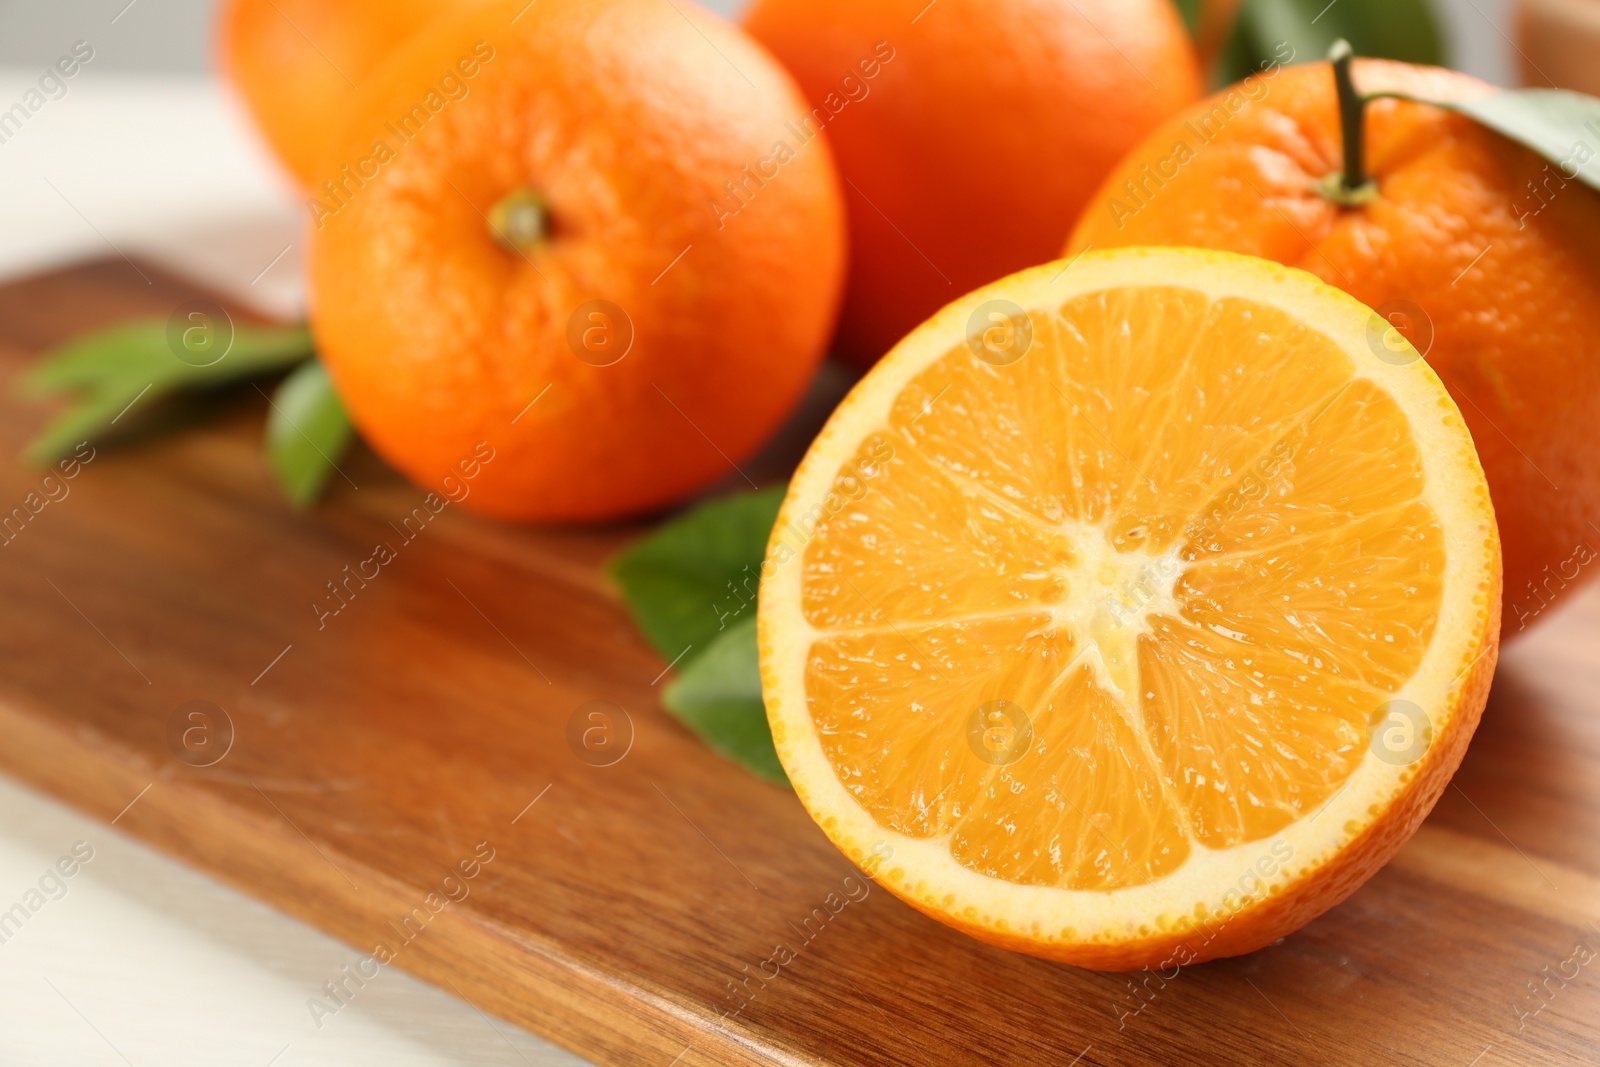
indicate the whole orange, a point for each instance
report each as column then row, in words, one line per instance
column 299, row 64
column 522, row 256
column 969, row 133
column 1474, row 248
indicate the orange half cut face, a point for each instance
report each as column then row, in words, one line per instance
column 1122, row 584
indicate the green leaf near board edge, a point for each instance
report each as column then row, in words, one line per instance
column 307, row 432
column 1268, row 32
column 719, row 697
column 697, row 574
column 108, row 371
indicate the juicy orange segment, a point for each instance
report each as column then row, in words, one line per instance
column 1100, row 585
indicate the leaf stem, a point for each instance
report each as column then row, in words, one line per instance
column 1352, row 111
column 1349, row 187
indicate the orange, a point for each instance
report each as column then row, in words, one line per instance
column 301, row 64
column 522, row 249
column 970, row 132
column 1486, row 257
column 1132, row 611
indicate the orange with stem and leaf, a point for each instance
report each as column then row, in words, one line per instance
column 1482, row 253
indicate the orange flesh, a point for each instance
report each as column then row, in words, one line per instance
column 1180, row 541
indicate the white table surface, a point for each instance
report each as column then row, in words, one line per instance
column 144, row 961
column 160, row 168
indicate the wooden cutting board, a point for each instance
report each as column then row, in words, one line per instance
column 622, row 910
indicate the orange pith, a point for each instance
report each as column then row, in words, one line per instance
column 1090, row 622
column 1156, row 654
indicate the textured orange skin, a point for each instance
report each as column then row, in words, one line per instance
column 628, row 121
column 1516, row 338
column 290, row 59
column 1282, row 913
column 980, row 141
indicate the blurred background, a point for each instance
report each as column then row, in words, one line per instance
column 171, row 36
column 144, row 155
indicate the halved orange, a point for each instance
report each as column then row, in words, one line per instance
column 1134, row 610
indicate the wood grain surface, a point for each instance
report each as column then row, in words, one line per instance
column 625, row 913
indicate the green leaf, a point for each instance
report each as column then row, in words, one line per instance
column 116, row 373
column 719, row 697
column 1268, row 32
column 307, row 432
column 691, row 587
column 1560, row 125
column 85, row 421
column 695, row 575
